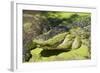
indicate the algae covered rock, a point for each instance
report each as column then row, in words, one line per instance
column 51, row 58
column 56, row 39
column 86, row 42
column 80, row 53
column 76, row 43
column 80, row 32
column 35, row 54
column 36, row 51
column 51, row 41
column 52, row 32
column 31, row 45
column 66, row 44
column 26, row 56
column 83, row 51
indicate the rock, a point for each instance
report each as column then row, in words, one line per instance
column 26, row 51
column 31, row 45
column 45, row 36
column 82, row 21
column 33, row 25
column 80, row 32
column 76, row 43
column 26, row 56
column 35, row 54
column 51, row 41
column 59, row 29
column 58, row 38
column 86, row 42
column 83, row 51
column 66, row 44
column 80, row 53
column 51, row 58
column 36, row 51
column 52, row 32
